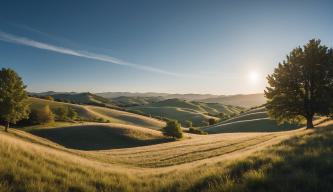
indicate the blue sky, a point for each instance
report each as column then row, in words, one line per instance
column 186, row 46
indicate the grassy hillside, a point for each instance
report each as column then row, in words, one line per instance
column 255, row 120
column 98, row 136
column 111, row 95
column 247, row 101
column 124, row 101
column 94, row 112
column 222, row 162
column 182, row 110
column 79, row 98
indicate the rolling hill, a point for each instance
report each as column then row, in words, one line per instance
column 91, row 113
column 111, row 95
column 255, row 120
column 250, row 100
column 124, row 101
column 101, row 136
column 219, row 162
column 78, row 98
column 182, row 110
column 243, row 100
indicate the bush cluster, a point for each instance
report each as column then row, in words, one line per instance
column 173, row 129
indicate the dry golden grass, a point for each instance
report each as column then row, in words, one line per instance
column 92, row 113
column 30, row 163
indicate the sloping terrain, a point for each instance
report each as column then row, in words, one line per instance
column 78, row 98
column 99, row 136
column 89, row 113
column 255, row 120
column 203, row 163
column 124, row 101
column 183, row 110
column 250, row 100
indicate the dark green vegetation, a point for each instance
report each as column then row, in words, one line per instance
column 301, row 86
column 196, row 131
column 172, row 129
column 43, row 115
column 12, row 98
column 197, row 112
column 303, row 163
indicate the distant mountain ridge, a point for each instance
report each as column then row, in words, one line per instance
column 247, row 101
column 188, row 96
column 126, row 99
column 243, row 100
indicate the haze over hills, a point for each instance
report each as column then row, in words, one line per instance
column 129, row 98
column 243, row 100
column 249, row 100
column 189, row 96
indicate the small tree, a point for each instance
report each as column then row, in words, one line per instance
column 172, row 129
column 12, row 98
column 62, row 113
column 211, row 121
column 41, row 116
column 188, row 123
column 301, row 85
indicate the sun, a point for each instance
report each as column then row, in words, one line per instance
column 253, row 77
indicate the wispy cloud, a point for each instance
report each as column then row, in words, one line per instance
column 10, row 38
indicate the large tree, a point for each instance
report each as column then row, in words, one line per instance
column 301, row 86
column 13, row 106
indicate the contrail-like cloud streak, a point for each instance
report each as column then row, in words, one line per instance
column 78, row 53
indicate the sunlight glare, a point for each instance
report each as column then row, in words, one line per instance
column 253, row 76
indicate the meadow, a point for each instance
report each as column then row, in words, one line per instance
column 124, row 155
column 219, row 162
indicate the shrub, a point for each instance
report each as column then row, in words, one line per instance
column 211, row 121
column 172, row 129
column 41, row 116
column 72, row 114
column 188, row 123
column 62, row 113
column 65, row 113
column 197, row 131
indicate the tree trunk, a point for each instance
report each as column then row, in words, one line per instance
column 6, row 127
column 309, row 123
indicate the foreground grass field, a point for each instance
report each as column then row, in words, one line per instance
column 298, row 160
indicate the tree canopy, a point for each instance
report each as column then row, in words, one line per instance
column 173, row 129
column 301, row 86
column 12, row 97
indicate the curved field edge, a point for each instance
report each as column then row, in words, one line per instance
column 28, row 166
column 90, row 136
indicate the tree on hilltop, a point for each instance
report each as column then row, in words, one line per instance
column 12, row 98
column 301, row 86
